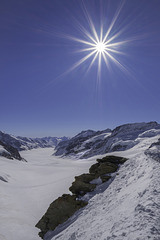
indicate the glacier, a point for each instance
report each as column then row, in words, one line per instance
column 129, row 209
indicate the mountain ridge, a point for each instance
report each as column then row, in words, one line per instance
column 127, row 209
column 11, row 145
column 121, row 138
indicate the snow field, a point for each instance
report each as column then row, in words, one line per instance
column 31, row 187
column 129, row 209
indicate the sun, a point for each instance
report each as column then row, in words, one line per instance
column 100, row 47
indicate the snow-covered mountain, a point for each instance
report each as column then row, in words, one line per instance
column 24, row 143
column 127, row 209
column 90, row 143
column 154, row 151
column 9, row 152
column 82, row 143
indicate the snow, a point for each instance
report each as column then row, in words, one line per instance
column 150, row 133
column 2, row 150
column 31, row 187
column 99, row 137
column 85, row 134
column 129, row 209
column 124, row 144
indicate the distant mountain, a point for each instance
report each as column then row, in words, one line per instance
column 82, row 143
column 11, row 145
column 89, row 143
column 29, row 143
column 24, row 143
column 9, row 152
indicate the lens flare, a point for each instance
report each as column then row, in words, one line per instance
column 100, row 47
column 104, row 46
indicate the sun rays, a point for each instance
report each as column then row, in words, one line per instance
column 100, row 45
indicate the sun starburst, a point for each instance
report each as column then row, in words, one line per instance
column 104, row 46
column 100, row 47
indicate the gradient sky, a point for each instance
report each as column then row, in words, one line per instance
column 41, row 97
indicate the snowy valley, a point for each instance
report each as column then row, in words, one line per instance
column 128, row 209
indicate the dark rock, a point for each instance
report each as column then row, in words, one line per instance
column 107, row 167
column 105, row 178
column 94, row 168
column 103, row 168
column 86, row 177
column 58, row 212
column 64, row 207
column 81, row 188
column 112, row 159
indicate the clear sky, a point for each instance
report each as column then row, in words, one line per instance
column 43, row 89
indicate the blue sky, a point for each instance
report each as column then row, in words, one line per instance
column 41, row 97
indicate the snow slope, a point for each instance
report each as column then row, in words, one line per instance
column 129, row 209
column 85, row 145
column 31, row 187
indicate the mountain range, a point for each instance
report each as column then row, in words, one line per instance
column 124, row 204
column 10, row 145
column 85, row 144
column 90, row 143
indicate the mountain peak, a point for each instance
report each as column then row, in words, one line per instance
column 89, row 143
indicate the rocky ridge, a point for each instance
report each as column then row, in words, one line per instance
column 65, row 206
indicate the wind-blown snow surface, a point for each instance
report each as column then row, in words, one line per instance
column 129, row 209
column 30, row 189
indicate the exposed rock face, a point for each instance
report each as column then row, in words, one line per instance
column 81, row 142
column 64, row 207
column 126, row 136
column 154, row 151
column 81, row 188
column 10, row 152
column 58, row 212
column 100, row 169
column 107, row 165
column 112, row 159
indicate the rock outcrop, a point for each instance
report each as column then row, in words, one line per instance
column 58, row 212
column 65, row 206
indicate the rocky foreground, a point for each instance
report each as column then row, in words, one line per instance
column 65, row 206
